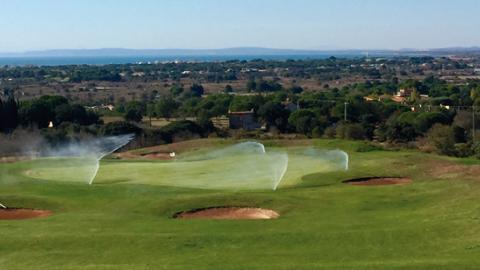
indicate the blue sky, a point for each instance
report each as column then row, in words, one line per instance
column 300, row 24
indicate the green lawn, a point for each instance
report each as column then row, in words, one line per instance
column 124, row 221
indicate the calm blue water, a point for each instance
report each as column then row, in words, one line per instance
column 103, row 60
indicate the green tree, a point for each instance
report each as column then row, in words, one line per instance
column 296, row 89
column 251, row 85
column 401, row 127
column 197, row 90
column 350, row 131
column 166, row 107
column 133, row 116
column 176, row 90
column 228, row 89
column 10, row 114
column 63, row 113
column 274, row 114
column 119, row 128
column 424, row 121
column 41, row 111
column 442, row 138
column 303, row 120
column 2, row 117
column 134, row 111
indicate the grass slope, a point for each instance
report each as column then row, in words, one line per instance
column 433, row 223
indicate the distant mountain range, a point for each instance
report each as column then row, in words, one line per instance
column 243, row 51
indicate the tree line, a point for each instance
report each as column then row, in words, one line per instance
column 39, row 113
column 444, row 122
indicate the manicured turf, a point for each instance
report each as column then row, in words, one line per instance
column 433, row 223
column 228, row 168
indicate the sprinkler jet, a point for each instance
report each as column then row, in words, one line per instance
column 3, row 206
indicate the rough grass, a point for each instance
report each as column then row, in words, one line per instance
column 433, row 223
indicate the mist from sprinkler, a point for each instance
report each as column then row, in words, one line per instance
column 248, row 165
column 336, row 158
column 245, row 165
column 87, row 154
column 242, row 166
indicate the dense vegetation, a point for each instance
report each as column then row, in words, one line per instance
column 323, row 69
column 438, row 115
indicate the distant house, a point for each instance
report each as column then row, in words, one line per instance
column 476, row 70
column 370, row 98
column 380, row 98
column 447, row 107
column 404, row 93
column 107, row 107
column 398, row 99
column 138, row 74
column 243, row 120
column 221, row 122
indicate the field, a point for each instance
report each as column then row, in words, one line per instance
column 125, row 220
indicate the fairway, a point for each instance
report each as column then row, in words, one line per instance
column 125, row 219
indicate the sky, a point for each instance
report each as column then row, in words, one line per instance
column 207, row 24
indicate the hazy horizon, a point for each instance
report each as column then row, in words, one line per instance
column 30, row 25
column 239, row 48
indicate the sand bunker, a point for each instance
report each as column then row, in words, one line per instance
column 229, row 213
column 378, row 181
column 17, row 214
column 13, row 159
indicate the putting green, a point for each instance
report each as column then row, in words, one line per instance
column 237, row 171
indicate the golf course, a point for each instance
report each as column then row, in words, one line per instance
column 325, row 204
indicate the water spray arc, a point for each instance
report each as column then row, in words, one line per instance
column 242, row 166
column 347, row 160
column 111, row 144
column 85, row 156
column 282, row 174
column 248, row 165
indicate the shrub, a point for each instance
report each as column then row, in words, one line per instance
column 317, row 132
column 463, row 150
column 350, row 132
column 368, row 147
column 329, row 133
column 119, row 128
column 354, row 132
column 442, row 138
column 476, row 150
column 304, row 121
column 182, row 130
column 134, row 116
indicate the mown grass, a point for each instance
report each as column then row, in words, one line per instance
column 433, row 223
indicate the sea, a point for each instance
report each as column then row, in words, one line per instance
column 108, row 60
